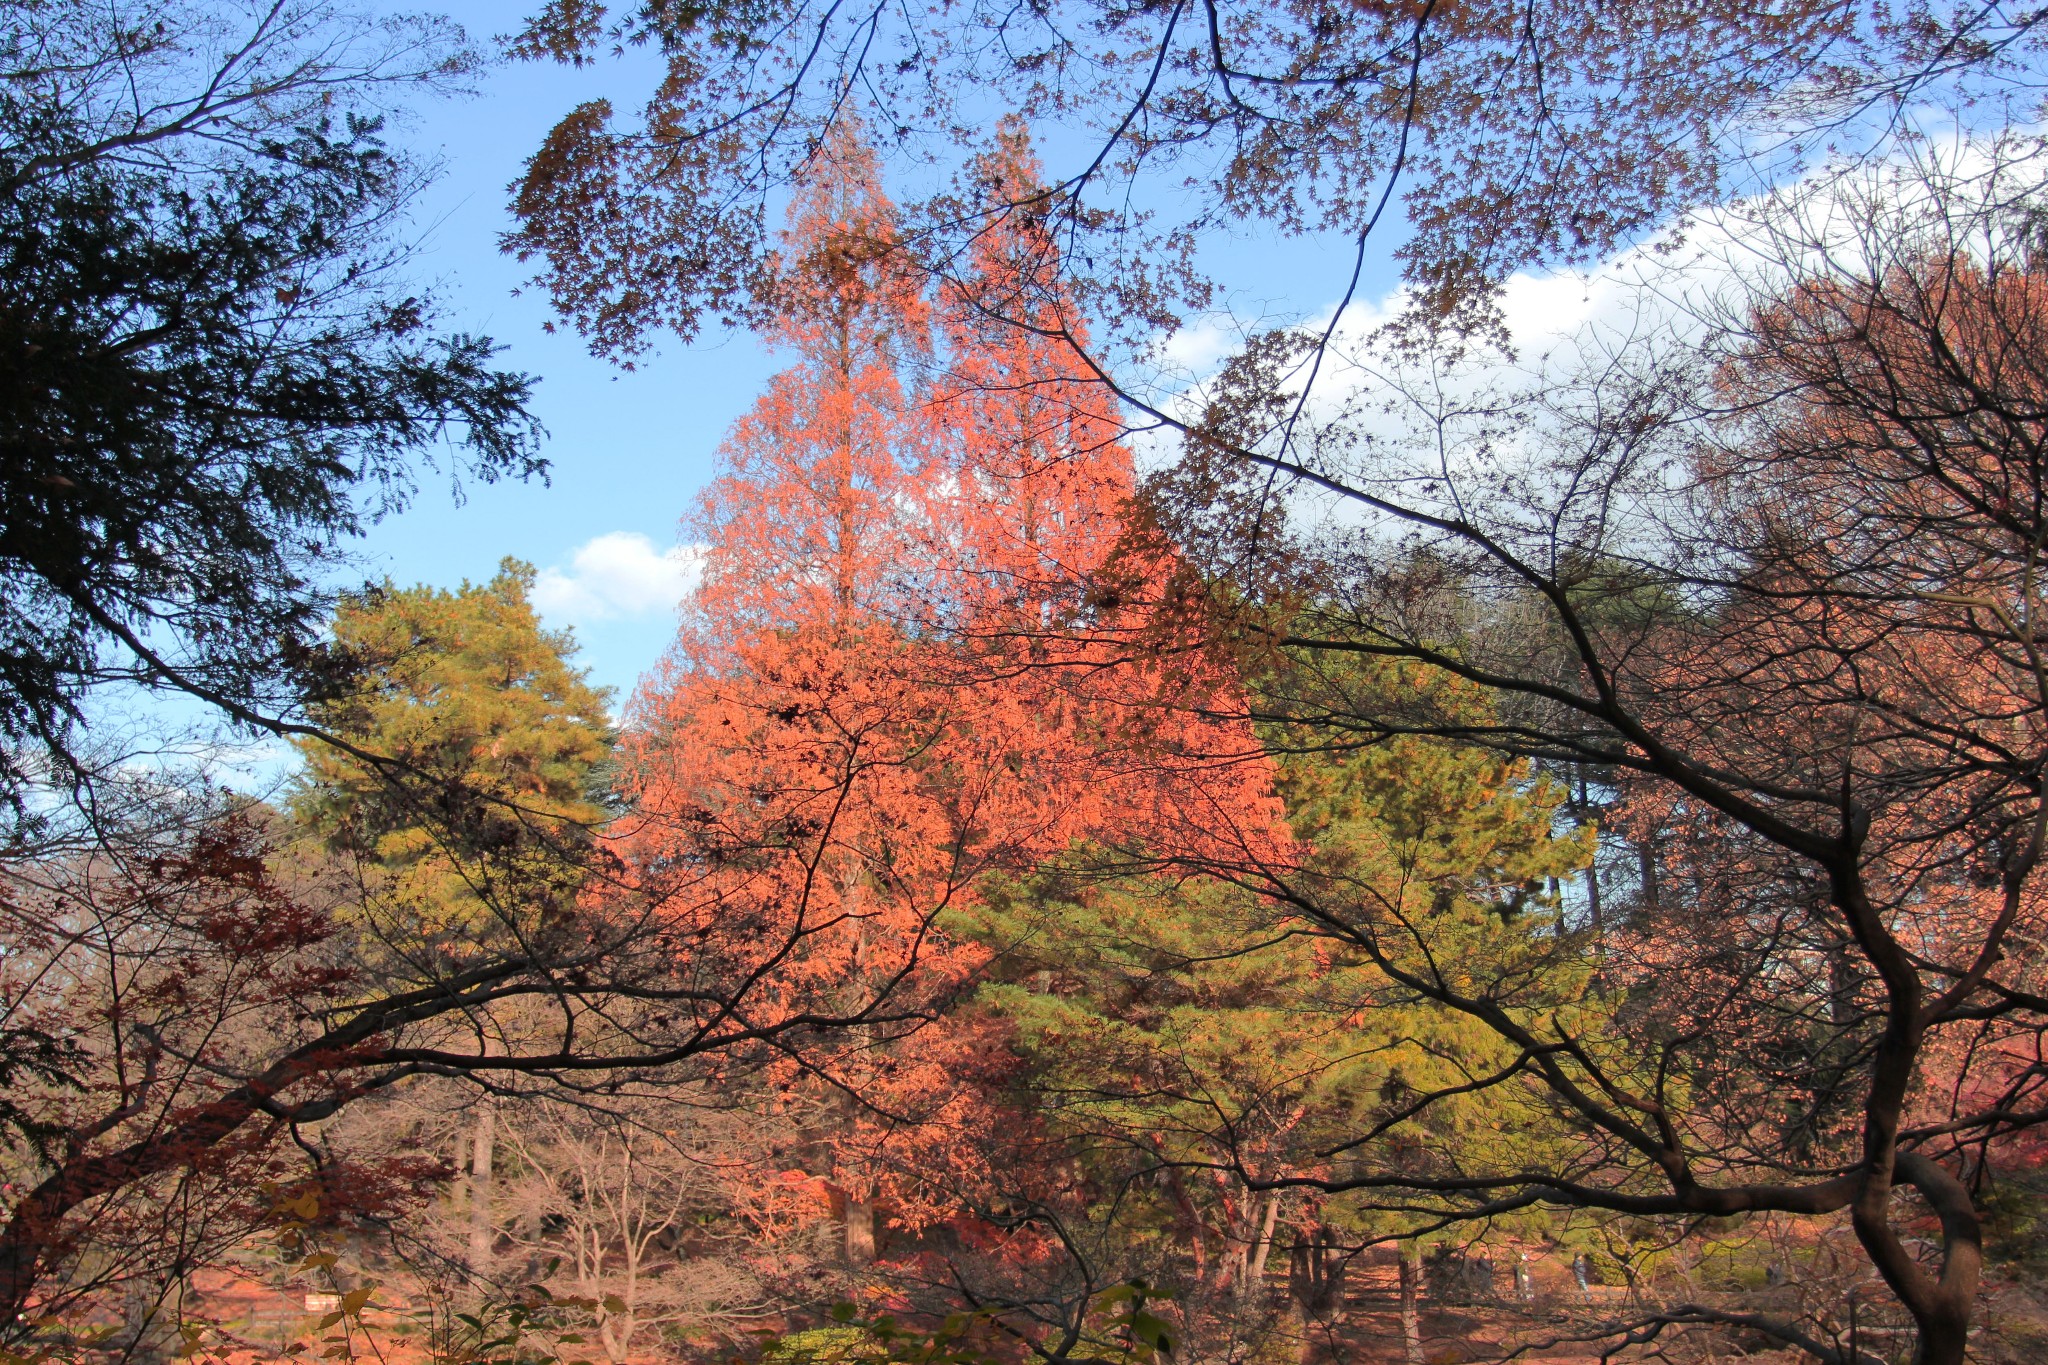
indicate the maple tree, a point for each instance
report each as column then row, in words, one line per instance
column 162, row 974
column 1510, row 136
column 1785, row 595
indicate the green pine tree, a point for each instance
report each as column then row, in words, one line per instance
column 469, row 799
column 1195, row 1040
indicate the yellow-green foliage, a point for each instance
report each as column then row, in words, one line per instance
column 1206, row 1024
column 478, row 806
column 826, row 1346
column 1434, row 866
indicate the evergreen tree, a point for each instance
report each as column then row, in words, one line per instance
column 1203, row 1046
column 468, row 795
column 216, row 372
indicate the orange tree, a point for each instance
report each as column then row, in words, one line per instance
column 865, row 716
column 1510, row 136
column 188, row 989
column 1783, row 585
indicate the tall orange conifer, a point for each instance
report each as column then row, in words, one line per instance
column 806, row 524
column 1037, row 476
column 787, row 764
column 1037, row 579
column 889, row 686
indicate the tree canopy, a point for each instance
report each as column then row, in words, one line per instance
column 1388, row 799
column 219, row 369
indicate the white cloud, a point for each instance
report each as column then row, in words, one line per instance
column 617, row 576
column 1202, row 344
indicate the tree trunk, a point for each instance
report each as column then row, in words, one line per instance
column 1315, row 1272
column 1945, row 1344
column 613, row 1339
column 1255, row 1268
column 1306, row 1333
column 483, row 1148
column 1191, row 1219
column 1411, row 1302
column 1593, row 904
column 860, row 1231
column 1941, row 1304
column 1230, row 1270
column 1843, row 983
column 1582, row 808
column 1315, row 1281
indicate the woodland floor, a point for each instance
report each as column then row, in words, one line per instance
column 1541, row 1331
column 263, row 1322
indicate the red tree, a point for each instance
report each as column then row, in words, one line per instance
column 890, row 686
column 789, row 763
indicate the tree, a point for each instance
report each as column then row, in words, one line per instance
column 852, row 736
column 486, row 747
column 1660, row 582
column 1038, row 566
column 1779, row 581
column 1187, row 1034
column 171, row 978
column 1032, row 479
column 617, row 1201
column 185, row 995
column 812, row 513
column 822, row 799
column 475, row 824
column 1511, row 137
column 219, row 372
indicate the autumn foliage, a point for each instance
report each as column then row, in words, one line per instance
column 1095, row 917
column 886, row 691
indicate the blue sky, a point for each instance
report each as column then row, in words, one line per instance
column 629, row 450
